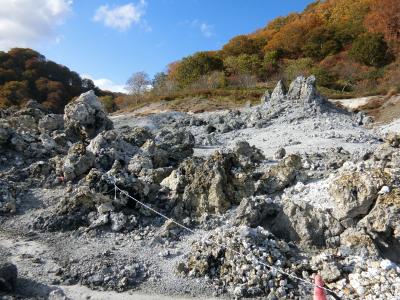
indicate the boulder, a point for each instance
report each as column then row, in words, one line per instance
column 177, row 144
column 255, row 211
column 5, row 133
column 304, row 224
column 354, row 192
column 136, row 136
column 279, row 93
column 247, row 155
column 51, row 122
column 139, row 162
column 109, row 146
column 280, row 153
column 383, row 224
column 85, row 117
column 77, row 162
column 8, row 277
column 280, row 176
column 7, row 198
column 209, row 185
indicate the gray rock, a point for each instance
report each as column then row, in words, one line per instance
column 280, row 176
column 266, row 98
column 118, row 221
column 50, row 123
column 355, row 191
column 78, row 162
column 109, row 146
column 85, row 117
column 280, row 153
column 279, row 93
column 7, row 198
column 255, row 211
column 8, row 277
column 209, row 185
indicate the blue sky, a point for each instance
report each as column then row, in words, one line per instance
column 108, row 40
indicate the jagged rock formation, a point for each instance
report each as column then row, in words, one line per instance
column 85, row 117
column 302, row 91
column 212, row 185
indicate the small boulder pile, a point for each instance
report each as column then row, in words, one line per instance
column 103, row 272
column 247, row 274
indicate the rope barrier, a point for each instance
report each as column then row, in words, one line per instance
column 254, row 259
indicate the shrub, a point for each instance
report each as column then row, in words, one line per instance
column 370, row 49
column 243, row 80
column 191, row 68
column 243, row 64
column 324, row 77
column 108, row 103
column 320, row 43
column 297, row 67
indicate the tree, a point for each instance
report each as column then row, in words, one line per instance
column 138, row 83
column 191, row 68
column 298, row 67
column 370, row 49
column 241, row 44
column 15, row 92
column 290, row 38
column 160, row 80
column 243, row 64
column 384, row 17
column 88, row 84
column 321, row 42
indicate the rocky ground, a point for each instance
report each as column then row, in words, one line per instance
column 295, row 184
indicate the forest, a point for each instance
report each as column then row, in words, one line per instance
column 352, row 46
column 26, row 74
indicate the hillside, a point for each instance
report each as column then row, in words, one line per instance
column 26, row 74
column 352, row 46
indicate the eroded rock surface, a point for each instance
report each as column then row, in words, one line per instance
column 291, row 205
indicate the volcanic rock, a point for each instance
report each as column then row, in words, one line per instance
column 85, row 117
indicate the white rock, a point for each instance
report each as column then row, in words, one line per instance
column 384, row 190
column 105, row 208
column 387, row 264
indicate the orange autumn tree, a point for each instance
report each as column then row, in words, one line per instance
column 384, row 17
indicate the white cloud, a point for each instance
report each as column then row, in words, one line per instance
column 122, row 17
column 206, row 30
column 24, row 23
column 107, row 84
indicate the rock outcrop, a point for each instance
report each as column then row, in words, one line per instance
column 85, row 117
column 214, row 184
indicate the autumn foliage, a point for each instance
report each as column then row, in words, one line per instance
column 26, row 74
column 349, row 44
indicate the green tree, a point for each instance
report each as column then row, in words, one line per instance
column 370, row 49
column 320, row 43
column 298, row 67
column 191, row 68
column 159, row 81
column 243, row 64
